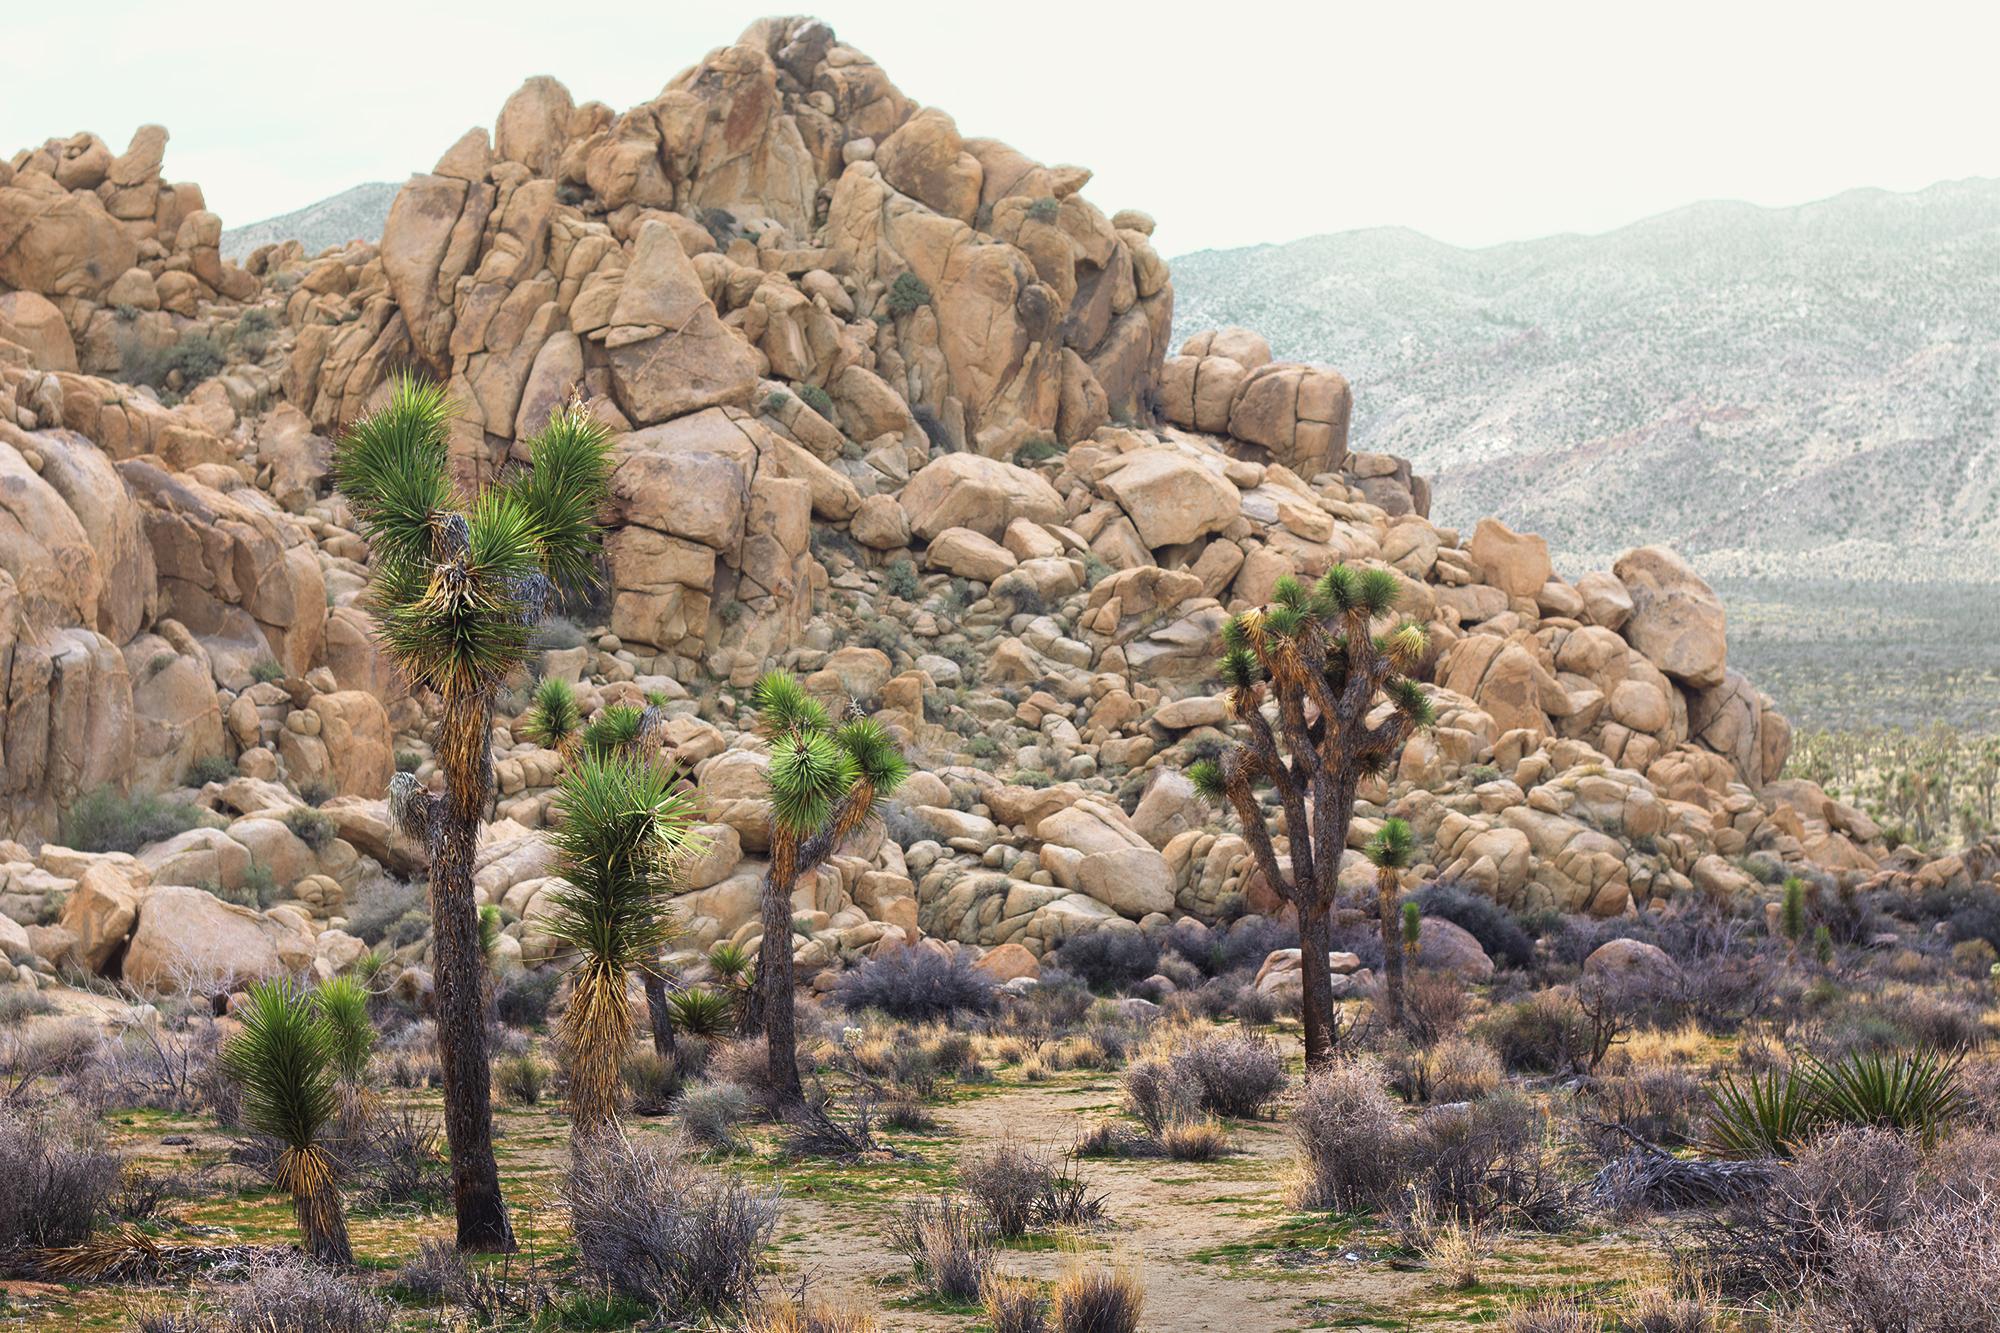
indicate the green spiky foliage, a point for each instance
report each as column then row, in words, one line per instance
column 1792, row 910
column 1911, row 1092
column 1413, row 930
column 457, row 582
column 1390, row 851
column 827, row 780
column 701, row 1012
column 491, row 926
column 1321, row 691
column 623, row 828
column 285, row 1059
column 343, row 1004
column 1761, row 1115
column 553, row 717
column 731, row 962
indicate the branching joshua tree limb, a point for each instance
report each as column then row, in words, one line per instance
column 285, row 1058
column 456, row 586
column 1391, row 850
column 1306, row 676
column 623, row 827
column 825, row 783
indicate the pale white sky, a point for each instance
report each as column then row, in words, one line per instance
column 1232, row 123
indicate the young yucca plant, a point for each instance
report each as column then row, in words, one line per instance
column 701, row 1012
column 1912, row 1092
column 1391, row 850
column 731, row 963
column 826, row 781
column 342, row 1004
column 622, row 828
column 1761, row 1115
column 457, row 584
column 1316, row 650
column 1413, row 932
column 286, row 1059
column 553, row 717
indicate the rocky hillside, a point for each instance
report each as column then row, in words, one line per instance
column 1800, row 392
column 895, row 408
column 354, row 214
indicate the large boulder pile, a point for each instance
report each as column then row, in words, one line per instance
column 893, row 409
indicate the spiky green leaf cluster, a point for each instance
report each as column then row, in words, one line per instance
column 623, row 827
column 1411, row 701
column 1206, row 775
column 815, row 764
column 701, row 1012
column 456, row 588
column 283, row 1058
column 809, row 773
column 553, row 714
column 342, row 1004
column 562, row 490
column 1393, row 847
column 611, row 731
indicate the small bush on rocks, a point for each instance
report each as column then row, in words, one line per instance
column 1108, row 960
column 105, row 820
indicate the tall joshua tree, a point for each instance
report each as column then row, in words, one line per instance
column 1313, row 658
column 458, row 583
column 285, row 1058
column 1391, row 850
column 622, row 830
column 825, row 782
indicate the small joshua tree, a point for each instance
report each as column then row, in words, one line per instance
column 825, row 783
column 342, row 1004
column 623, row 828
column 456, row 588
column 1391, row 850
column 285, row 1057
column 1313, row 658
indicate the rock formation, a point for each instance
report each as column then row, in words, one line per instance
column 894, row 408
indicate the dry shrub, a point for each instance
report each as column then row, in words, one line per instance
column 948, row 1243
column 1774, row 1238
column 713, row 1113
column 1095, row 1299
column 1434, row 1005
column 803, row 1315
column 1549, row 1314
column 1347, row 1138
column 1021, row 1188
column 1234, row 1074
column 1937, row 1271
column 1194, row 1141
column 56, row 1180
column 294, row 1295
column 1457, row 1069
column 653, row 1225
column 1014, row 1305
column 1657, row 1102
column 1663, row 1310
column 1659, row 1047
column 1454, row 1248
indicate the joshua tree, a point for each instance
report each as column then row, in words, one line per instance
column 622, row 830
column 1391, row 850
column 553, row 718
column 825, row 782
column 285, row 1058
column 342, row 1004
column 457, row 586
column 1313, row 656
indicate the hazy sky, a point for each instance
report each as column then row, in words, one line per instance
column 1232, row 123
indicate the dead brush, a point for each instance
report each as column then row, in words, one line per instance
column 948, row 1243
column 1454, row 1249
column 1097, row 1299
column 1549, row 1314
column 806, row 1315
column 1014, row 1305
column 1194, row 1140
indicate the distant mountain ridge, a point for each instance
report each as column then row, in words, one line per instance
column 353, row 214
column 1790, row 392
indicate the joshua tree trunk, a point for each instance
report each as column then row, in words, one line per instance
column 774, row 972
column 308, row 1173
column 1392, row 946
column 662, row 1017
column 1316, row 999
column 464, row 753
